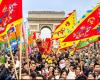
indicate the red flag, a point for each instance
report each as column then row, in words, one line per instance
column 34, row 35
column 85, row 28
column 47, row 45
column 44, row 46
column 10, row 13
column 96, row 30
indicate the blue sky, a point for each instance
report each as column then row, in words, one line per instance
column 81, row 6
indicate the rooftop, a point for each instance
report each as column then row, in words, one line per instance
column 46, row 12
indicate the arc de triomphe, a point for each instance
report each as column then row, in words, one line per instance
column 40, row 19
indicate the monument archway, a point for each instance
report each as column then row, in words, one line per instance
column 39, row 20
column 45, row 32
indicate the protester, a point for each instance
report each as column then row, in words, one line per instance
column 83, row 65
column 64, row 74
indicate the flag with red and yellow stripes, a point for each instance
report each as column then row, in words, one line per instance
column 10, row 13
column 85, row 26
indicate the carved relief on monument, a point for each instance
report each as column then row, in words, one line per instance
column 34, row 27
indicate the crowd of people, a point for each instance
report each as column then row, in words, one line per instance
column 83, row 65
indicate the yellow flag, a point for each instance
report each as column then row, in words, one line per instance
column 71, row 43
column 68, row 44
column 66, row 27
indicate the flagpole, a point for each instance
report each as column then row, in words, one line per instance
column 20, row 53
column 11, row 55
column 26, row 47
column 27, row 57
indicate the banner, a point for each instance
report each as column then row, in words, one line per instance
column 87, row 42
column 34, row 35
column 81, row 43
column 26, row 31
column 85, row 26
column 47, row 45
column 65, row 27
column 10, row 13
